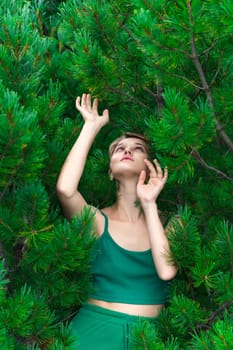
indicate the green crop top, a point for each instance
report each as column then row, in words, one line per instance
column 125, row 276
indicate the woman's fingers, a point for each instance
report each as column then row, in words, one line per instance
column 142, row 177
column 77, row 102
column 149, row 165
column 95, row 105
column 88, row 102
column 156, row 170
column 106, row 115
column 165, row 174
column 85, row 102
column 89, row 110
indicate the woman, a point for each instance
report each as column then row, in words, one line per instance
column 131, row 265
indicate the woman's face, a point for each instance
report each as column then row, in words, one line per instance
column 128, row 157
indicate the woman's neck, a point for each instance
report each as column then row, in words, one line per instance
column 127, row 205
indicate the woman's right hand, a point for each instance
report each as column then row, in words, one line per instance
column 89, row 111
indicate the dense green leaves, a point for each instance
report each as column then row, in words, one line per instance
column 21, row 145
column 163, row 68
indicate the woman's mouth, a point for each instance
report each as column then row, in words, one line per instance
column 126, row 158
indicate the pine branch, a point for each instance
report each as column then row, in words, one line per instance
column 198, row 157
column 67, row 318
column 183, row 78
column 102, row 29
column 213, row 317
column 159, row 67
column 156, row 43
column 3, row 256
column 158, row 97
column 210, row 47
column 130, row 97
column 205, row 85
column 217, row 71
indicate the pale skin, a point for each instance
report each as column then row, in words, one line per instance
column 133, row 227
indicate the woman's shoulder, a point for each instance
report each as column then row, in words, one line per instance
column 100, row 219
column 109, row 212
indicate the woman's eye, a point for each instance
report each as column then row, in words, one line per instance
column 139, row 148
column 120, row 148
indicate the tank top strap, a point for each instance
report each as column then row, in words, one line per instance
column 105, row 221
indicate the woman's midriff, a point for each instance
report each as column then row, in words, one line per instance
column 130, row 309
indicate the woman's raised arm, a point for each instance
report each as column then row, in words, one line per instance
column 67, row 185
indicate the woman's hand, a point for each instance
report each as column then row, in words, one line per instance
column 148, row 192
column 89, row 111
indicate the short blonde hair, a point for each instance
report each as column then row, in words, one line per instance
column 127, row 135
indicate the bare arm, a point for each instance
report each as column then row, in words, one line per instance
column 159, row 243
column 148, row 194
column 67, row 185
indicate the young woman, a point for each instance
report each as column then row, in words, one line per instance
column 131, row 266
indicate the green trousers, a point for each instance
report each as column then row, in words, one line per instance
column 97, row 328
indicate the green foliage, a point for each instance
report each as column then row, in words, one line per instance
column 220, row 337
column 179, row 131
column 53, row 257
column 185, row 238
column 162, row 68
column 190, row 314
column 22, row 48
column 146, row 336
column 3, row 282
column 62, row 254
column 21, row 141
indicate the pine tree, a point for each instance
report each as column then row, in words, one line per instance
column 163, row 69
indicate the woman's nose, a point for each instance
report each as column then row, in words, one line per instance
column 127, row 150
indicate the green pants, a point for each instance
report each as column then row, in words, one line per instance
column 97, row 328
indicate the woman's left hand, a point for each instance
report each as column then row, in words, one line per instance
column 149, row 192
